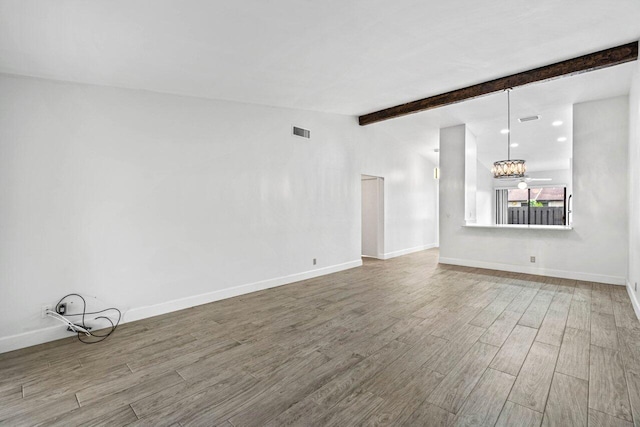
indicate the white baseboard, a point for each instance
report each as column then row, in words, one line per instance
column 588, row 277
column 394, row 254
column 634, row 300
column 192, row 301
column 40, row 336
column 27, row 339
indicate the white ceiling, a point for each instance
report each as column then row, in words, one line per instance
column 349, row 57
column 537, row 140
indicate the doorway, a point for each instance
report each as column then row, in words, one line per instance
column 372, row 216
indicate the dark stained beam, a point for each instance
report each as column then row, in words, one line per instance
column 590, row 62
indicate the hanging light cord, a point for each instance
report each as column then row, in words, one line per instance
column 509, row 124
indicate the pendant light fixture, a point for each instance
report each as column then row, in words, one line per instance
column 508, row 168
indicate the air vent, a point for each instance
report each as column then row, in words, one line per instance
column 528, row 119
column 304, row 133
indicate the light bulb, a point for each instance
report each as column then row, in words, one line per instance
column 522, row 185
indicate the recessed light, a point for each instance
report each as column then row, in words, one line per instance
column 557, row 123
column 562, row 139
column 504, row 131
column 515, row 144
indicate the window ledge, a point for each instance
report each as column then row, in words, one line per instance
column 522, row 227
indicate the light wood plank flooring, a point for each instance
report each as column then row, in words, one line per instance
column 399, row 342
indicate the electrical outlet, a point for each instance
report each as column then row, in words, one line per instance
column 314, row 261
column 61, row 309
column 43, row 312
column 532, row 259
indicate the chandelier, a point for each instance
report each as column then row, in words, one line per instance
column 508, row 168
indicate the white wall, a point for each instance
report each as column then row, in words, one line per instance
column 410, row 190
column 153, row 202
column 633, row 276
column 470, row 176
column 596, row 249
column 451, row 190
column 485, row 195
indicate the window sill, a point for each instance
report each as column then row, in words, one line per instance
column 522, row 227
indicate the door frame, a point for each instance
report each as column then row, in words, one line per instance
column 380, row 254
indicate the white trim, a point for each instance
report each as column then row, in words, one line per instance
column 39, row 336
column 519, row 226
column 192, row 301
column 394, row 254
column 43, row 335
column 589, row 277
column 634, row 300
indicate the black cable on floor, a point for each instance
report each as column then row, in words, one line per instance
column 84, row 313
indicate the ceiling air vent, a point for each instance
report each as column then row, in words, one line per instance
column 528, row 119
column 304, row 133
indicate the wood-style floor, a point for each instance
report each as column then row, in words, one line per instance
column 398, row 342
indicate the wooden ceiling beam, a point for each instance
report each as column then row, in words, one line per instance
column 590, row 62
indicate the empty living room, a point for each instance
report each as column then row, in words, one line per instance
column 329, row 213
